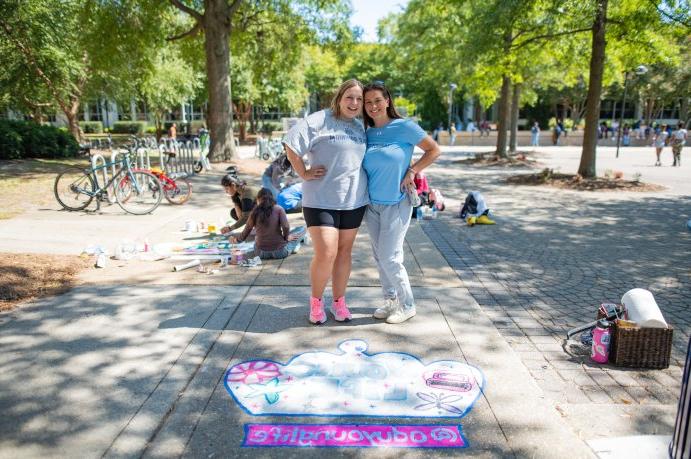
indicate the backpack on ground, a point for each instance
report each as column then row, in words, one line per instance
column 474, row 205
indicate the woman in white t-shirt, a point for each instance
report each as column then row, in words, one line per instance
column 659, row 142
column 334, row 192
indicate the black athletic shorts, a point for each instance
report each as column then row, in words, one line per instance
column 340, row 219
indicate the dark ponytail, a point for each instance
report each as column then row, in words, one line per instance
column 265, row 205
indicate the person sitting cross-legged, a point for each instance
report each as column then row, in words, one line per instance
column 273, row 238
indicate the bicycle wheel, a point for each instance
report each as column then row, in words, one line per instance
column 74, row 188
column 177, row 191
column 139, row 192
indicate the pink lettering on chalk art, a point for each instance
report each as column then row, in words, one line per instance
column 354, row 436
column 355, row 383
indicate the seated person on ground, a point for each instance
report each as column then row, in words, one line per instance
column 273, row 237
column 290, row 198
column 429, row 197
column 243, row 201
column 278, row 169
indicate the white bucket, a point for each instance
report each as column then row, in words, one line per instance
column 642, row 308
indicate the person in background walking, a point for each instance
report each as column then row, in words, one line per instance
column 659, row 142
column 390, row 175
column 452, row 134
column 678, row 140
column 435, row 133
column 173, row 131
column 535, row 134
column 334, row 192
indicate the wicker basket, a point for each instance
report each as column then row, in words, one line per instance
column 640, row 347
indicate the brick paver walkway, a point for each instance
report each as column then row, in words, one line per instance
column 553, row 256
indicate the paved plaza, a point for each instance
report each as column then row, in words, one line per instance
column 131, row 363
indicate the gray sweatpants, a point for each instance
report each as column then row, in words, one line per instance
column 387, row 225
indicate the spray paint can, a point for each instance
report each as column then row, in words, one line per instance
column 601, row 337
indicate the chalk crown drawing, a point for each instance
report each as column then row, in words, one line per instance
column 355, row 383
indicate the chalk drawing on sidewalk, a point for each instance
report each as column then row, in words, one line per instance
column 354, row 436
column 355, row 383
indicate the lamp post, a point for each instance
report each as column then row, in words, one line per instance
column 640, row 70
column 452, row 87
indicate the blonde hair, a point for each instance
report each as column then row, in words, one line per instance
column 336, row 101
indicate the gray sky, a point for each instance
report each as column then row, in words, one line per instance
column 368, row 12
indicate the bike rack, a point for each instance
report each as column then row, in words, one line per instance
column 183, row 162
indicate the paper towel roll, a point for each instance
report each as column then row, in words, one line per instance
column 643, row 309
column 189, row 265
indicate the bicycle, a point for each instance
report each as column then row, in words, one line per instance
column 137, row 192
column 176, row 188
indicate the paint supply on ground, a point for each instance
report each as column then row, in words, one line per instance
column 643, row 309
column 189, row 265
column 601, row 338
column 101, row 260
column 191, row 226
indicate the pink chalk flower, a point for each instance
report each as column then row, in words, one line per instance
column 253, row 372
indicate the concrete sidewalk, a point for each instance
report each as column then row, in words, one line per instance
column 132, row 362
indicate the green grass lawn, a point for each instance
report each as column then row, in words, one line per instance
column 28, row 183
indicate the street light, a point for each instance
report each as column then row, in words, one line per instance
column 452, row 87
column 640, row 70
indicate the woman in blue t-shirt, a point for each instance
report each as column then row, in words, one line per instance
column 390, row 143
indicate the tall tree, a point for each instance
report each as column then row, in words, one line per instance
column 586, row 168
column 63, row 52
column 219, row 19
column 215, row 22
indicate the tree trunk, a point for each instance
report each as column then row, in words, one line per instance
column 684, row 109
column 592, row 114
column 73, row 125
column 503, row 122
column 243, row 111
column 515, row 103
column 216, row 46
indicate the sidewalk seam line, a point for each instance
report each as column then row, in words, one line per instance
column 208, row 400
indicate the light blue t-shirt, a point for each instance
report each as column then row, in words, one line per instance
column 389, row 152
column 339, row 145
column 290, row 197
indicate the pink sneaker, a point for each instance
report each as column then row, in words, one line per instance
column 317, row 314
column 339, row 309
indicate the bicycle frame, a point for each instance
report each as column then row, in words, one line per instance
column 93, row 171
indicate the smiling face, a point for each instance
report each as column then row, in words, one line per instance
column 350, row 104
column 376, row 104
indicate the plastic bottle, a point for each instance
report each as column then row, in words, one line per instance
column 418, row 213
column 434, row 212
column 600, row 348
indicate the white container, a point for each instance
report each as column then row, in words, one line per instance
column 642, row 309
column 189, row 265
column 191, row 226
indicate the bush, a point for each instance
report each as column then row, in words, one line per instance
column 91, row 127
column 19, row 139
column 270, row 126
column 129, row 127
column 10, row 142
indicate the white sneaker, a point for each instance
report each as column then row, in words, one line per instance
column 401, row 315
column 386, row 310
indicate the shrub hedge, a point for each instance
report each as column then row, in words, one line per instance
column 91, row 127
column 129, row 127
column 22, row 139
